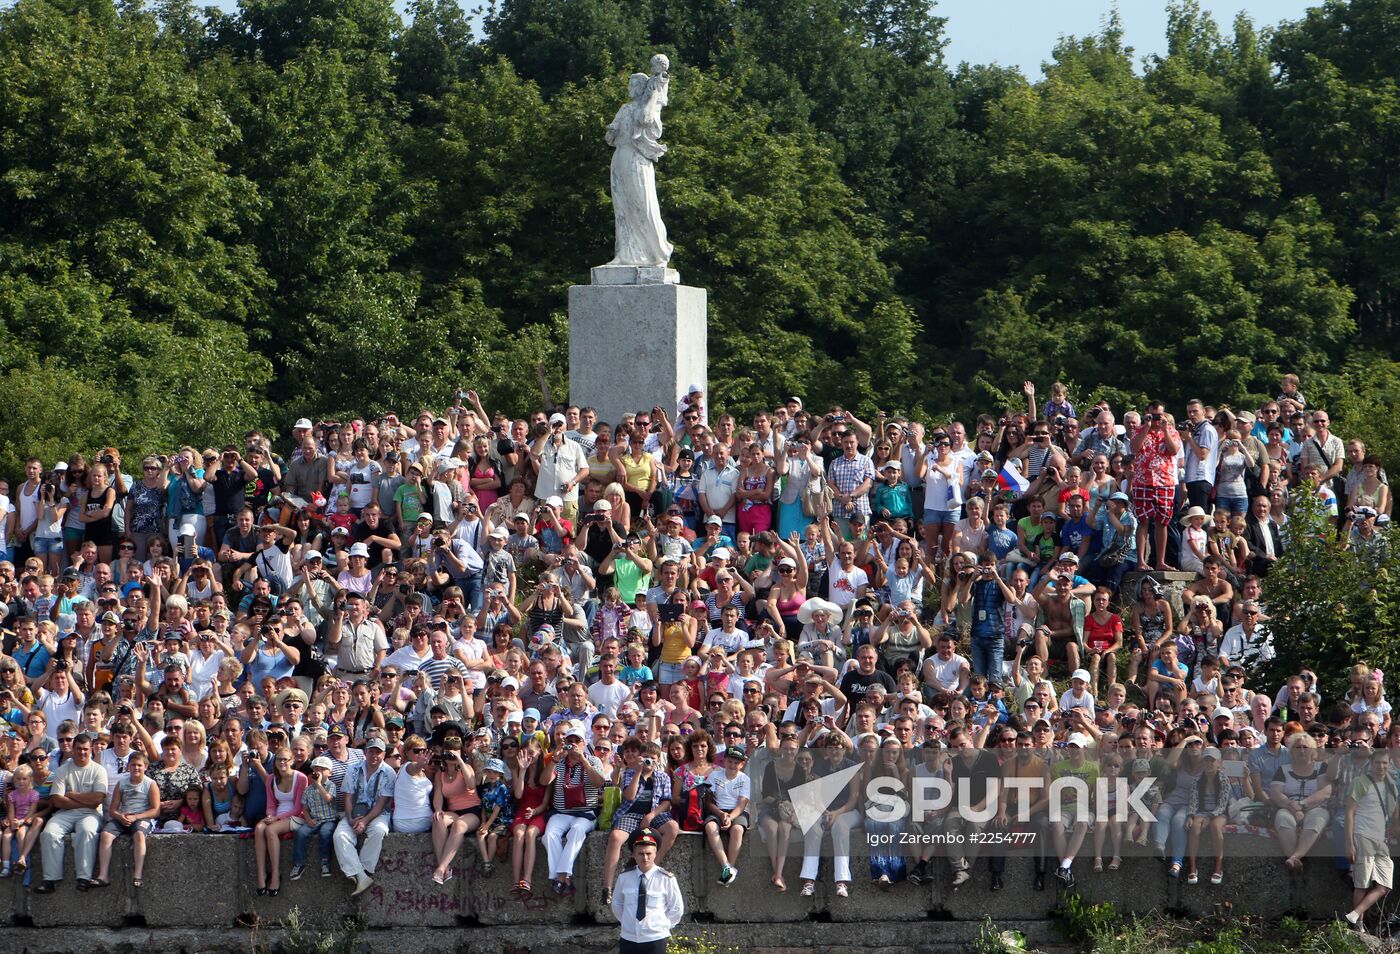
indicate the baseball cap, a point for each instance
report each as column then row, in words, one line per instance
column 531, row 713
column 313, row 555
column 555, row 501
column 1079, row 739
column 302, row 424
column 714, row 519
column 516, row 716
column 575, row 730
column 736, row 752
column 1222, row 713
column 602, row 505
column 321, row 762
column 500, row 533
column 110, row 617
column 376, row 744
column 1211, row 752
column 719, row 553
column 1079, row 674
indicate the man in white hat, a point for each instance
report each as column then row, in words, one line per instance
column 562, row 466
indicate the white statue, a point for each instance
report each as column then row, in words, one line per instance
column 634, row 135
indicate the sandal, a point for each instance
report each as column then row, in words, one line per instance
column 1115, row 864
column 104, row 883
column 1217, row 878
column 20, row 866
column 135, row 883
column 437, row 878
column 1192, row 878
column 1098, row 865
column 778, row 883
column 1175, row 870
column 523, row 887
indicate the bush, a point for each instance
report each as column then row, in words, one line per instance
column 1330, row 607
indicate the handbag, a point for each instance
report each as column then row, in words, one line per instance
column 612, row 801
column 693, row 816
column 817, row 497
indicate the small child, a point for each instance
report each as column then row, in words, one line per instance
column 21, row 820
column 1078, row 696
column 1139, row 829
column 498, row 809
column 1110, row 766
column 613, row 617
column 499, row 564
column 636, row 670
column 135, row 805
column 1194, row 543
column 318, row 818
column 342, row 516
column 1207, row 678
column 191, row 814
column 1210, row 803
column 640, row 621
column 171, row 654
column 1072, row 486
column 1288, row 390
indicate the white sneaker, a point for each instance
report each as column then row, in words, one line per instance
column 362, row 884
column 962, row 877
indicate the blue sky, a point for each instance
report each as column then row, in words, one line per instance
column 1022, row 32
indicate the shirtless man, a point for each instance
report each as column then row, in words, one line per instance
column 1056, row 638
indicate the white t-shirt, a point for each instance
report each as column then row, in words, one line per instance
column 58, row 708
column 608, row 698
column 945, row 672
column 731, row 643
column 843, row 584
column 727, row 791
column 5, row 509
column 1068, row 700
column 204, row 673
column 28, row 506
column 719, row 488
column 473, row 650
column 362, row 481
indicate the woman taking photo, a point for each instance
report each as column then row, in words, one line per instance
column 790, row 592
column 284, row 787
column 456, row 807
column 576, row 778
column 798, row 466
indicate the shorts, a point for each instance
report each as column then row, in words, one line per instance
column 43, row 545
column 74, row 535
column 742, row 820
column 1232, row 504
column 1373, row 866
column 629, row 821
column 459, row 812
column 1154, row 504
column 667, row 673
column 1059, row 647
column 936, row 517
column 144, row 826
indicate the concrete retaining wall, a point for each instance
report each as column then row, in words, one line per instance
column 203, row 883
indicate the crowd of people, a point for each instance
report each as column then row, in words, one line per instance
column 503, row 633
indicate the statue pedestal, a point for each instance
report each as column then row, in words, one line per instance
column 632, row 346
column 634, row 275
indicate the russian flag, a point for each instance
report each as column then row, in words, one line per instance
column 1010, row 478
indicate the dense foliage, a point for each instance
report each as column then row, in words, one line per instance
column 210, row 221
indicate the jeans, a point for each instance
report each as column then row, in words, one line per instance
column 1172, row 822
column 472, row 590
column 324, row 831
column 986, row 656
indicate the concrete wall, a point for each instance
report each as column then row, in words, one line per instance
column 201, row 885
column 635, row 346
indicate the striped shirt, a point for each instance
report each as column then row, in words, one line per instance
column 846, row 474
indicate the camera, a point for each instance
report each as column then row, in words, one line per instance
column 439, row 542
column 649, row 762
column 107, row 459
column 964, row 574
column 403, row 589
column 540, row 429
column 265, row 629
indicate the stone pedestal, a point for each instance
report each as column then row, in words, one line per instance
column 635, row 345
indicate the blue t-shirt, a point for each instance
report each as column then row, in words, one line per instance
column 180, row 499
column 1001, row 542
column 1074, row 533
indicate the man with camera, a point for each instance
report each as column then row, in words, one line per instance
column 1101, row 439
column 1154, row 446
column 355, row 638
column 561, row 463
column 452, row 559
column 1202, row 442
